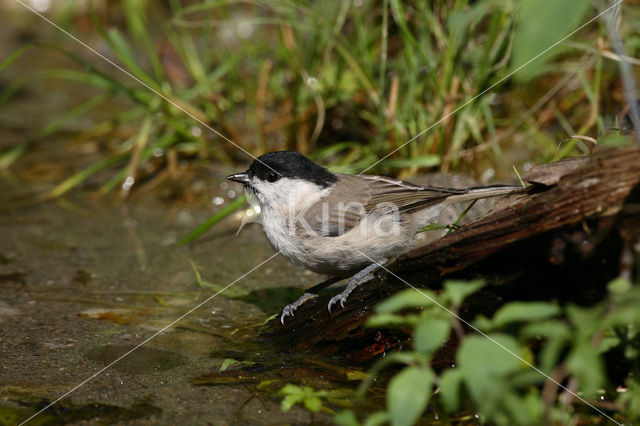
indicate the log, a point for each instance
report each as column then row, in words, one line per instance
column 562, row 240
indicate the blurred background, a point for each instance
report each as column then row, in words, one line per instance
column 157, row 101
column 344, row 82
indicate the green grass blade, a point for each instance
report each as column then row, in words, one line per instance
column 359, row 72
column 428, row 160
column 232, row 292
column 65, row 118
column 141, row 96
column 11, row 156
column 454, row 225
column 229, row 209
column 14, row 86
column 15, row 55
column 137, row 23
column 81, row 176
column 519, row 177
column 82, row 77
column 166, row 140
column 122, row 50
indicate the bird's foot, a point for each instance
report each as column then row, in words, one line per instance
column 291, row 308
column 342, row 298
column 355, row 281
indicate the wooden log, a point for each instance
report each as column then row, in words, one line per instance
column 562, row 240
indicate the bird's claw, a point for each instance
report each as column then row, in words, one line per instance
column 291, row 308
column 287, row 312
column 342, row 298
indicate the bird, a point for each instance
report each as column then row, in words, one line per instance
column 341, row 225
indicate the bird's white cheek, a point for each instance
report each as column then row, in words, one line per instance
column 294, row 194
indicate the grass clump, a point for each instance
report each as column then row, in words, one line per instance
column 346, row 82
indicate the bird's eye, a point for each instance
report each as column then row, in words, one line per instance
column 272, row 176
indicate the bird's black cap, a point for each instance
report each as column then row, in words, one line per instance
column 290, row 164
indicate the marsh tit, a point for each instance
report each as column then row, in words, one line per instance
column 343, row 225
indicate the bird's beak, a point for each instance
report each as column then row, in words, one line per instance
column 240, row 177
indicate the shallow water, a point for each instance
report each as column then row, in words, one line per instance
column 85, row 280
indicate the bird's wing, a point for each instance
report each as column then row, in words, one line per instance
column 342, row 209
column 357, row 196
column 405, row 196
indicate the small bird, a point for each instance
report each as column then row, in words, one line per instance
column 343, row 225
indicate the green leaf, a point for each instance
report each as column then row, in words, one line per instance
column 346, row 418
column 451, row 388
column 619, row 286
column 519, row 409
column 630, row 400
column 408, row 358
column 313, row 403
column 524, row 311
column 377, row 418
column 489, row 357
column 227, row 363
column 289, row 401
column 486, row 364
column 482, row 323
column 546, row 329
column 585, row 363
column 543, row 23
column 551, row 352
column 527, row 378
column 408, row 394
column 623, row 315
column 292, row 395
column 430, row 334
column 290, row 389
column 587, row 321
column 409, row 298
column 457, row 291
column 391, row 320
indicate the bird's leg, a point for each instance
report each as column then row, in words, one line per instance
column 306, row 296
column 356, row 280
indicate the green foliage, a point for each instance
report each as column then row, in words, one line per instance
column 311, row 399
column 431, row 333
column 522, row 312
column 542, row 23
column 456, row 291
column 301, row 395
column 502, row 365
column 346, row 82
column 229, row 291
column 227, row 210
column 486, row 369
column 629, row 400
column 408, row 394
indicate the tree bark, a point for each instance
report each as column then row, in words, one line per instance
column 564, row 240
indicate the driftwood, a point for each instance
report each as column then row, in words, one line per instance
column 563, row 240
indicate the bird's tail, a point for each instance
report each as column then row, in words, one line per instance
column 485, row 192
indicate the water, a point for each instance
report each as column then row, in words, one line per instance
column 84, row 280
